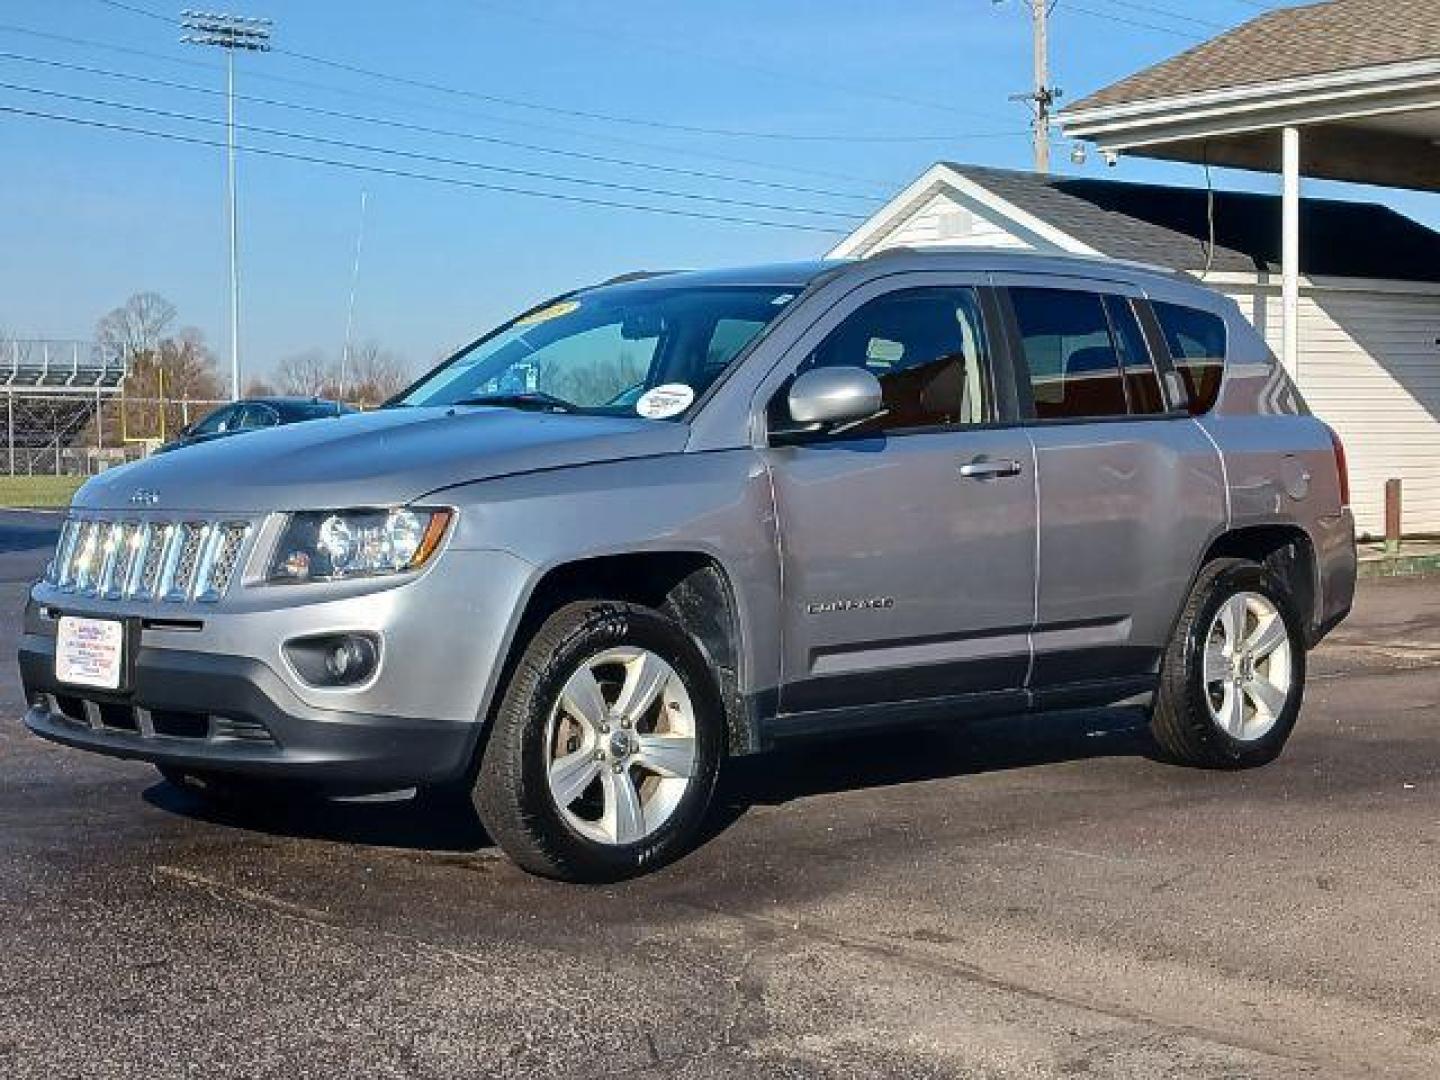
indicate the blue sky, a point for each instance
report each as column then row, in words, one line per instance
column 89, row 216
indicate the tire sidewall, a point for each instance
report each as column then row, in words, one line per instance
column 1245, row 577
column 602, row 627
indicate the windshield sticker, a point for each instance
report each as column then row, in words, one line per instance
column 545, row 314
column 783, row 299
column 665, row 401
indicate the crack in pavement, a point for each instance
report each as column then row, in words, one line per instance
column 933, row 963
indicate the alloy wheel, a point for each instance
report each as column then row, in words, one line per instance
column 1248, row 669
column 620, row 746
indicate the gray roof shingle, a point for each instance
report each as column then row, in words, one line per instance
column 1167, row 226
column 1319, row 39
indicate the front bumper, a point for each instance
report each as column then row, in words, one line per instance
column 234, row 714
column 210, row 686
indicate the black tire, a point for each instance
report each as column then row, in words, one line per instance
column 512, row 793
column 1181, row 721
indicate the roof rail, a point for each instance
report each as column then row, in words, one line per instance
column 1022, row 253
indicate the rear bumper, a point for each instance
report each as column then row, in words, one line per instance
column 233, row 714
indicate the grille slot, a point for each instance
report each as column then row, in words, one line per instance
column 120, row 717
column 148, row 560
column 71, row 708
column 192, row 537
column 224, row 559
column 227, row 727
column 180, row 725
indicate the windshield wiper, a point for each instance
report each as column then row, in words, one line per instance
column 536, row 400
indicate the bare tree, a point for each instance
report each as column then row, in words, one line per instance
column 135, row 329
column 258, row 387
column 164, row 379
column 375, row 375
column 309, row 373
column 167, row 369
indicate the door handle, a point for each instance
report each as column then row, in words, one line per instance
column 986, row 469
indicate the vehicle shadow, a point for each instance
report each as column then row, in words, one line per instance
column 893, row 758
column 935, row 753
column 401, row 821
column 793, row 772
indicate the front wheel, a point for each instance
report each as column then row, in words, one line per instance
column 605, row 747
column 1234, row 675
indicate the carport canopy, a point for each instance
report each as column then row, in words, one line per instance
column 1345, row 90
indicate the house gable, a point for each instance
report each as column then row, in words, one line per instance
column 946, row 208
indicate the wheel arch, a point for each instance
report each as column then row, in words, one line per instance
column 1287, row 553
column 688, row 585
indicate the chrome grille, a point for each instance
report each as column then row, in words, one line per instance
column 148, row 560
column 192, row 538
column 224, row 560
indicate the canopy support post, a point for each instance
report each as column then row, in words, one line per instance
column 1290, row 253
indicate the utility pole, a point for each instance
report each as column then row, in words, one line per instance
column 229, row 32
column 1042, row 96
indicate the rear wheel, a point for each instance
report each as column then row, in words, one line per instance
column 605, row 747
column 1234, row 675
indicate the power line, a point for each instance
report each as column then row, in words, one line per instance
column 431, row 159
column 1069, row 5
column 1167, row 13
column 481, row 185
column 605, row 118
column 401, row 125
column 570, row 112
column 138, row 11
column 610, row 34
column 529, row 125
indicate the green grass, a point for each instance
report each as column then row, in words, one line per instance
column 38, row 491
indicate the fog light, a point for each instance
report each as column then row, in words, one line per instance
column 347, row 657
column 334, row 659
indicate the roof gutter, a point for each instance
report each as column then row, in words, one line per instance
column 1357, row 93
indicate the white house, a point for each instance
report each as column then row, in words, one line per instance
column 1369, row 317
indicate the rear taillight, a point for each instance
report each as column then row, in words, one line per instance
column 1342, row 468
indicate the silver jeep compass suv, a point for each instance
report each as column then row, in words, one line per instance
column 672, row 518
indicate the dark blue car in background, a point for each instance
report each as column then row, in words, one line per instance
column 251, row 414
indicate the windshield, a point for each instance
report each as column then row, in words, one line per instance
column 625, row 350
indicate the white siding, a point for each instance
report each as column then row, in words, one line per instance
column 941, row 220
column 1370, row 367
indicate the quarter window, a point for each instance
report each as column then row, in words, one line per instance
column 926, row 347
column 1196, row 340
column 1073, row 360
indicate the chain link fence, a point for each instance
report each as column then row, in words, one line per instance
column 73, row 431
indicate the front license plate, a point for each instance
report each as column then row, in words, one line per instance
column 90, row 652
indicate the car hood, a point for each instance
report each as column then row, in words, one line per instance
column 381, row 458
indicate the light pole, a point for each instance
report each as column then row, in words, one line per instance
column 229, row 32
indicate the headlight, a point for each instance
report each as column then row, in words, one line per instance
column 325, row 545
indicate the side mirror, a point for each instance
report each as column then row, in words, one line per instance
column 830, row 398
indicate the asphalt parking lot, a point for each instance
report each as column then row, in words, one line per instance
column 1023, row 898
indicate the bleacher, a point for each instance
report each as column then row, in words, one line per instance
column 50, row 392
column 59, row 366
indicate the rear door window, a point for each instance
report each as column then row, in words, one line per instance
column 1196, row 341
column 257, row 415
column 1072, row 357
